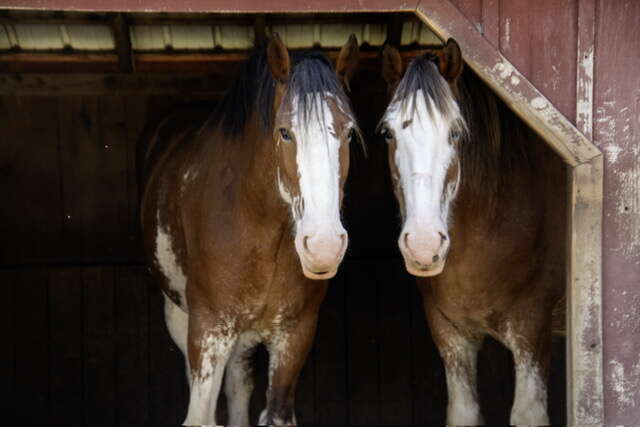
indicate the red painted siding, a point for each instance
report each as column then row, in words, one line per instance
column 617, row 133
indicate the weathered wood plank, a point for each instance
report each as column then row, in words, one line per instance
column 584, row 322
column 30, row 220
column 331, row 357
column 132, row 346
column 585, row 66
column 66, row 346
column 94, row 170
column 31, row 389
column 617, row 131
column 472, row 10
column 394, row 326
column 362, row 346
column 8, row 283
column 491, row 21
column 99, row 346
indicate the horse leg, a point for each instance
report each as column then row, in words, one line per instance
column 531, row 355
column 288, row 350
column 459, row 353
column 238, row 381
column 178, row 325
column 211, row 341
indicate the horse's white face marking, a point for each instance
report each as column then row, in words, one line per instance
column 320, row 238
column 423, row 156
column 168, row 263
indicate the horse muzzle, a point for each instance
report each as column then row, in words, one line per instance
column 321, row 254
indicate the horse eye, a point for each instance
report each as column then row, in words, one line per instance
column 455, row 135
column 284, row 133
column 386, row 133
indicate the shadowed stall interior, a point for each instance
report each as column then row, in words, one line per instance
column 86, row 342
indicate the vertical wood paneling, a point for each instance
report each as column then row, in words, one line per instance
column 132, row 351
column 29, row 179
column 331, row 356
column 8, row 282
column 362, row 346
column 472, row 9
column 515, row 33
column 394, row 326
column 66, row 345
column 617, row 132
column 585, row 66
column 99, row 346
column 31, row 387
column 94, row 171
column 491, row 21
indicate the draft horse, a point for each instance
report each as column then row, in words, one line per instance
column 479, row 192
column 241, row 220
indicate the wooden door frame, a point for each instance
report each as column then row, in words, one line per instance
column 573, row 145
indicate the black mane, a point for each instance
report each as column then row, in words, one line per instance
column 254, row 89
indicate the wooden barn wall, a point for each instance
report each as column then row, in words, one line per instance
column 86, row 342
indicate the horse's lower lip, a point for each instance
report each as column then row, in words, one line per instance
column 320, row 273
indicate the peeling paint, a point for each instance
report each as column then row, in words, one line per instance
column 539, row 103
column 624, row 384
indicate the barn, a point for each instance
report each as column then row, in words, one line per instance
column 86, row 342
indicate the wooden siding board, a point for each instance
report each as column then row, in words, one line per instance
column 472, row 9
column 8, row 282
column 31, row 388
column 332, row 401
column 30, row 182
column 94, row 151
column 394, row 326
column 363, row 345
column 66, row 343
column 99, row 346
column 491, row 21
column 132, row 351
column 212, row 5
column 617, row 133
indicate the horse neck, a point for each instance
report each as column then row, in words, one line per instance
column 258, row 190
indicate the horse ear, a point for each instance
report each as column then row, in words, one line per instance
column 451, row 63
column 278, row 59
column 347, row 61
column 391, row 66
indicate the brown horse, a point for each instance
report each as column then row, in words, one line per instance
column 241, row 221
column 477, row 193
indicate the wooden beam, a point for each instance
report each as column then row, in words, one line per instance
column 237, row 6
column 121, row 36
column 584, row 295
column 224, row 62
column 260, row 29
column 112, row 84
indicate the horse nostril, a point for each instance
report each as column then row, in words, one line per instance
column 406, row 240
column 304, row 243
column 436, row 258
column 443, row 237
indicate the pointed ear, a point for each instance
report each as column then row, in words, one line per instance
column 347, row 61
column 278, row 59
column 451, row 62
column 391, row 66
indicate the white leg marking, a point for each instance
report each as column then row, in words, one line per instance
column 238, row 382
column 278, row 356
column 205, row 386
column 178, row 325
column 460, row 359
column 463, row 408
column 530, row 401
